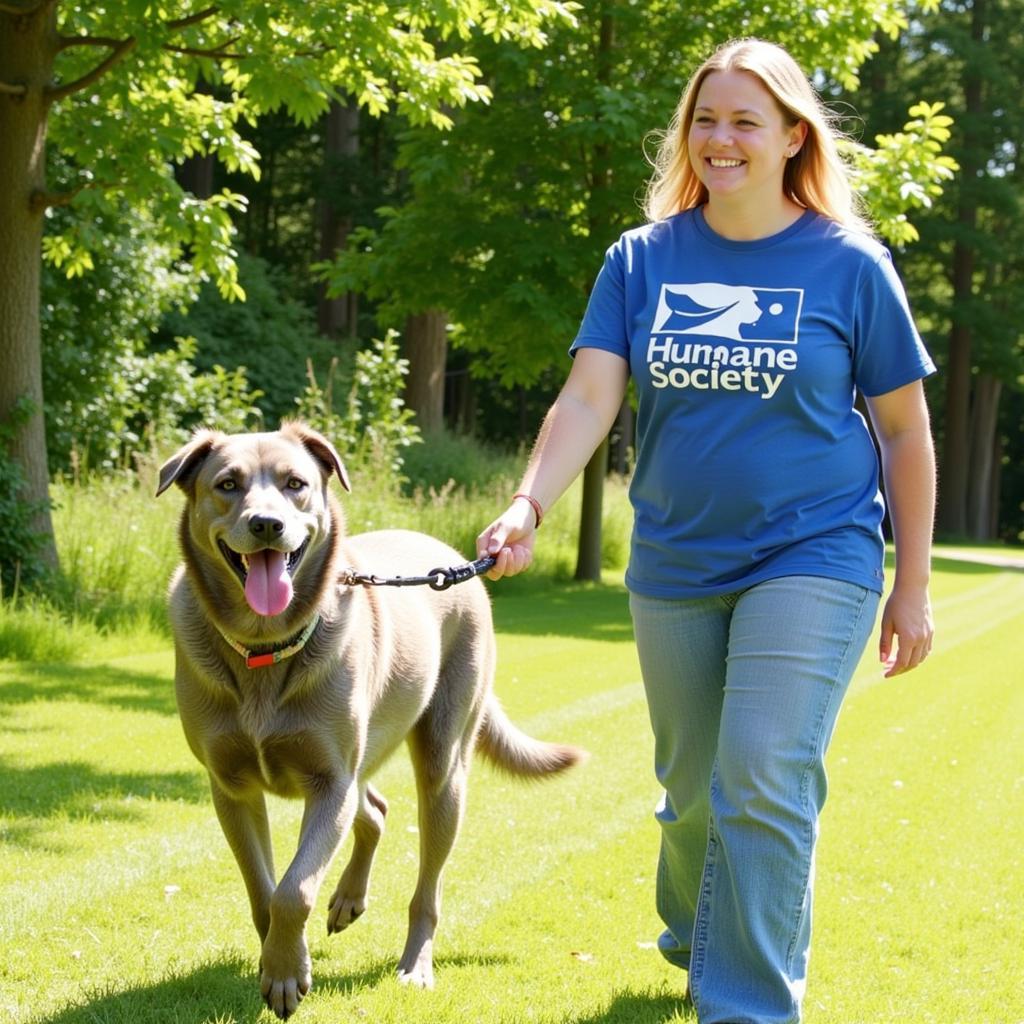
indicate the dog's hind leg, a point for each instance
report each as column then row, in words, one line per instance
column 349, row 899
column 441, row 771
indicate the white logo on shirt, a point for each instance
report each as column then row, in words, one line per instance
column 734, row 312
column 759, row 319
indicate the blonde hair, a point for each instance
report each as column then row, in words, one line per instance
column 815, row 178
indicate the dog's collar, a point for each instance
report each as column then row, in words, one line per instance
column 273, row 656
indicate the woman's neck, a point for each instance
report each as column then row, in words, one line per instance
column 743, row 222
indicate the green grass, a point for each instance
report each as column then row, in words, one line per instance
column 118, row 547
column 119, row 901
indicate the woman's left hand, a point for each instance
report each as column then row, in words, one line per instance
column 907, row 620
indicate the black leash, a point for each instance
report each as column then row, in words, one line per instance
column 436, row 579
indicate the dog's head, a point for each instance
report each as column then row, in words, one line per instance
column 258, row 506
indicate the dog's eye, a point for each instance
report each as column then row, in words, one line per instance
column 226, row 485
column 295, row 483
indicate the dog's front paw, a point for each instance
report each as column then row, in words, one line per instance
column 344, row 910
column 285, row 978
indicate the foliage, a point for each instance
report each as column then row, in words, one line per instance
column 270, row 335
column 20, row 542
column 966, row 274
column 375, row 424
column 92, row 325
column 139, row 108
column 156, row 399
column 904, row 170
column 458, row 460
column 517, row 205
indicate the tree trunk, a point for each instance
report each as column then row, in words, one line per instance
column 588, row 554
column 426, row 348
column 980, row 491
column 952, row 514
column 195, row 173
column 337, row 317
column 28, row 46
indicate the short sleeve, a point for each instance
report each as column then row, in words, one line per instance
column 604, row 323
column 888, row 352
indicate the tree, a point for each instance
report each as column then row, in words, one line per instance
column 509, row 215
column 114, row 89
column 967, row 274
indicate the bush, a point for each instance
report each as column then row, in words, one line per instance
column 270, row 334
column 373, row 426
column 153, row 402
column 458, row 459
column 91, row 323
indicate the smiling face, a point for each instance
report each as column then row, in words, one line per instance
column 258, row 512
column 739, row 141
column 259, row 503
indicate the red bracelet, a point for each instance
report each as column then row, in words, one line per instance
column 535, row 505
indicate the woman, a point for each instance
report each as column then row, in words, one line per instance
column 749, row 311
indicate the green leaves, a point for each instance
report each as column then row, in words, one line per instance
column 183, row 83
column 507, row 217
column 905, row 170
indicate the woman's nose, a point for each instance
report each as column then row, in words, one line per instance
column 722, row 134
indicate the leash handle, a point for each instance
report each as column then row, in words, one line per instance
column 442, row 579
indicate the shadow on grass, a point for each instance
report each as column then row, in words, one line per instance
column 22, row 682
column 630, row 1007
column 76, row 788
column 223, row 990
column 76, row 791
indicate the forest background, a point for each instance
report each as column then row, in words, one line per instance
column 388, row 218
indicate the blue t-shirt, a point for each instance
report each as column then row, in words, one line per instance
column 751, row 461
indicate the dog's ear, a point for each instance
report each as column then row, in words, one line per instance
column 182, row 467
column 319, row 447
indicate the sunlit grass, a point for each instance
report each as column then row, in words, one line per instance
column 119, row 901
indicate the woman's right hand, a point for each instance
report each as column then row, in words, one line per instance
column 509, row 540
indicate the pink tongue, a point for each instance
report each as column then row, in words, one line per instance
column 268, row 587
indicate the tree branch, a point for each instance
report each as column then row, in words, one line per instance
column 23, row 12
column 194, row 19
column 41, row 200
column 9, row 89
column 66, row 42
column 120, row 50
column 217, row 52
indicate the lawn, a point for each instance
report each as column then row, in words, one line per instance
column 119, row 900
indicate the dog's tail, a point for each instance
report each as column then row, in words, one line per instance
column 510, row 749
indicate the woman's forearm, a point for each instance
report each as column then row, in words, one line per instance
column 577, row 422
column 908, row 462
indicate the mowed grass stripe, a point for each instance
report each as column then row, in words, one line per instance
column 920, row 857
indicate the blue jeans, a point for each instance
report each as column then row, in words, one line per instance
column 744, row 690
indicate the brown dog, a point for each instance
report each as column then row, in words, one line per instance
column 290, row 680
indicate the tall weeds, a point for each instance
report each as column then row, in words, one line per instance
column 118, row 543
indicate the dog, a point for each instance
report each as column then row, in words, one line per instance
column 292, row 679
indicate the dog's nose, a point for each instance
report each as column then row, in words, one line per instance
column 266, row 527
